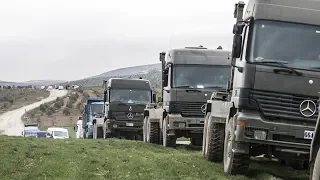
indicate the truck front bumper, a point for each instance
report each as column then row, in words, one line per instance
column 128, row 126
column 281, row 135
column 177, row 122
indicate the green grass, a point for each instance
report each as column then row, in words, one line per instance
column 31, row 158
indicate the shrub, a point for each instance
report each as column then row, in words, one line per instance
column 66, row 111
column 69, row 105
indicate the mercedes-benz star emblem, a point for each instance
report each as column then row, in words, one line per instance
column 130, row 108
column 203, row 108
column 308, row 108
column 130, row 116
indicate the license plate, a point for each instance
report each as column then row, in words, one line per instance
column 129, row 124
column 308, row 134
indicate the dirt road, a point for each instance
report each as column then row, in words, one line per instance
column 10, row 122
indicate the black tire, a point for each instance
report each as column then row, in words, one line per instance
column 153, row 136
column 234, row 164
column 99, row 133
column 168, row 141
column 316, row 168
column 215, row 142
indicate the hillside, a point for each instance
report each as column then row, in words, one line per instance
column 150, row 72
column 15, row 98
column 32, row 83
column 127, row 71
column 32, row 158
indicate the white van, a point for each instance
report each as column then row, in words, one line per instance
column 57, row 133
column 78, row 129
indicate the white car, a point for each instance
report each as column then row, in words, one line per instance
column 57, row 133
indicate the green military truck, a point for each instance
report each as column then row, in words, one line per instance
column 124, row 104
column 189, row 76
column 273, row 86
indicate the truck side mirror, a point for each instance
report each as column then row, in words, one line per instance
column 236, row 47
column 105, row 95
column 154, row 97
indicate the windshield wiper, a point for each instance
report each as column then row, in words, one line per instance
column 119, row 103
column 185, row 86
column 281, row 63
column 218, row 87
column 193, row 90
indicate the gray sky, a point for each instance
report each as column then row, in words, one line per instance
column 62, row 39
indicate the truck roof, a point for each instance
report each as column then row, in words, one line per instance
column 199, row 56
column 129, row 83
column 298, row 11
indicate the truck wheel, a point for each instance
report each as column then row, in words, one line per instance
column 153, row 132
column 234, row 164
column 204, row 138
column 99, row 132
column 215, row 141
column 316, row 168
column 144, row 128
column 168, row 141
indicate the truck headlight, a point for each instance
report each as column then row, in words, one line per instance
column 260, row 135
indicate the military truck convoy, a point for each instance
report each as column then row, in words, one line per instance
column 259, row 99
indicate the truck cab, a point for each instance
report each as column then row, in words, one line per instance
column 189, row 76
column 124, row 103
column 88, row 116
column 274, row 83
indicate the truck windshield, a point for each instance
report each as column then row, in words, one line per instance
column 130, row 96
column 200, row 76
column 296, row 45
column 97, row 108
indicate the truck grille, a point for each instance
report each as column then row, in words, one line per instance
column 189, row 109
column 279, row 106
column 123, row 116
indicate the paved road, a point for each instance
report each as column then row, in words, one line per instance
column 10, row 122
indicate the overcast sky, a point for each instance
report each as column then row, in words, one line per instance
column 74, row 39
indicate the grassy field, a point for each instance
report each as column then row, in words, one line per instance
column 11, row 99
column 31, row 158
